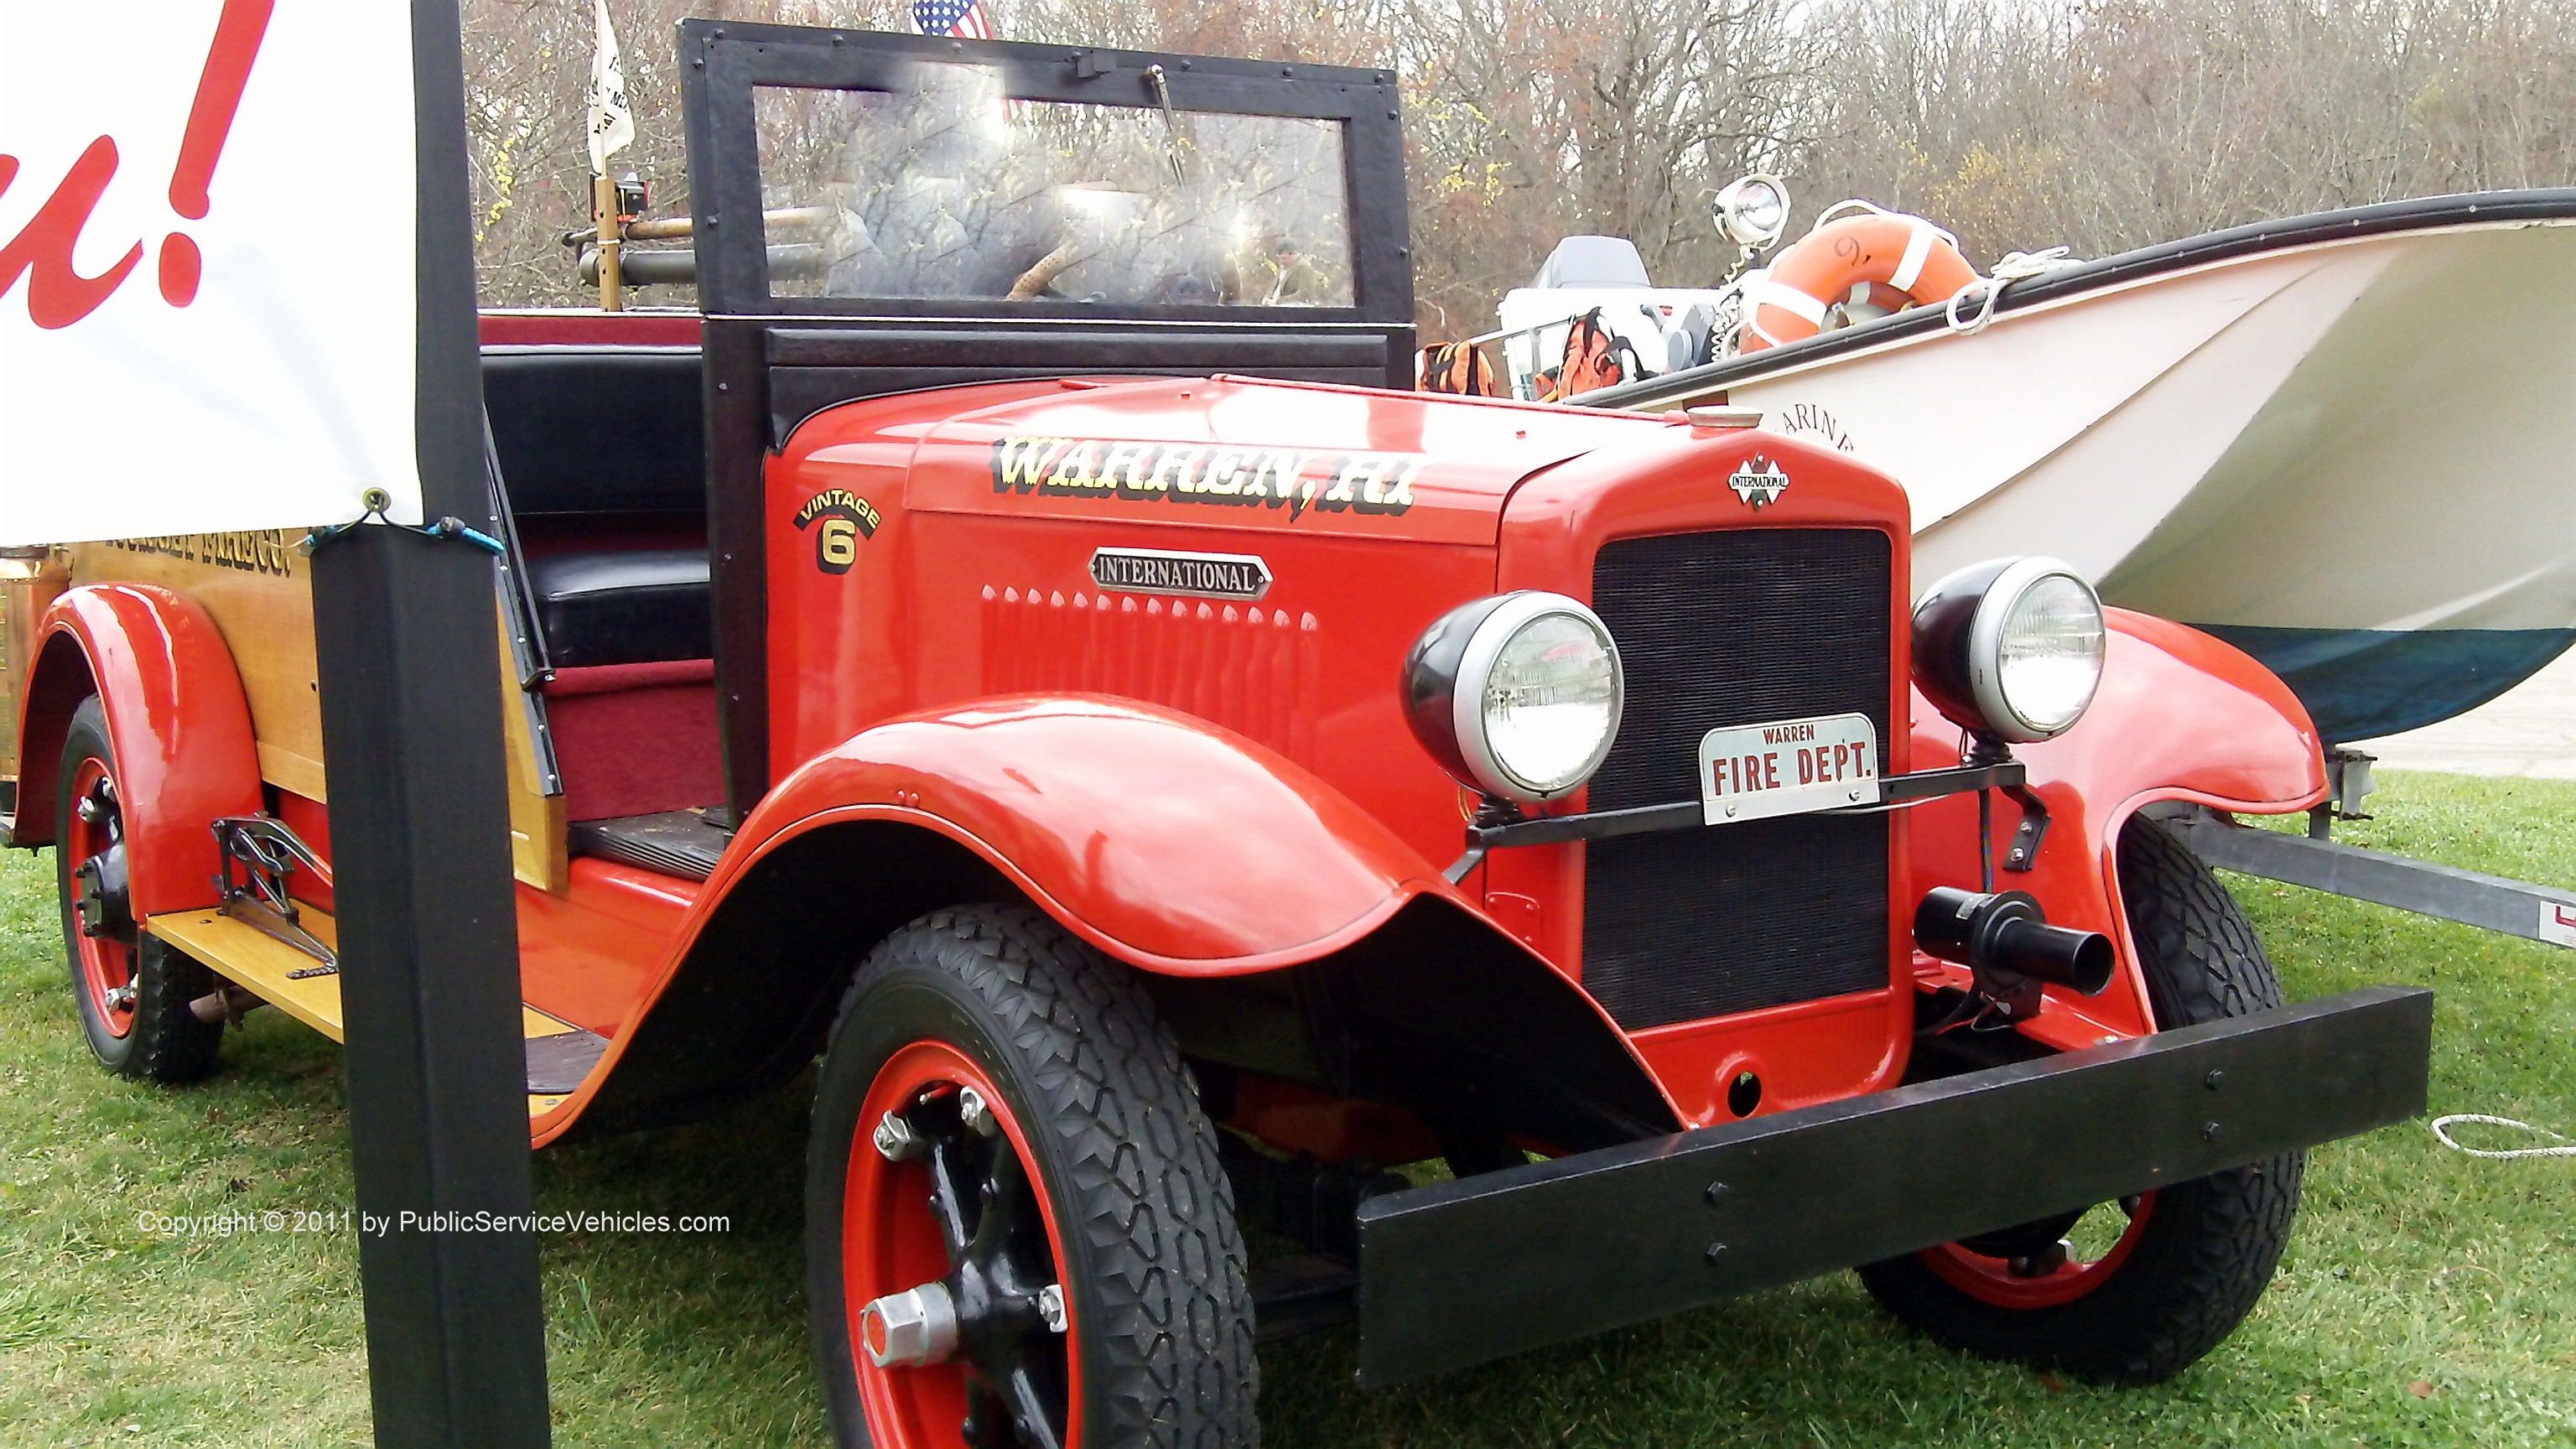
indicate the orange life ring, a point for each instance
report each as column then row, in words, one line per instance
column 1873, row 254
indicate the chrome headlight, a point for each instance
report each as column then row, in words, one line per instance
column 2011, row 647
column 1517, row 695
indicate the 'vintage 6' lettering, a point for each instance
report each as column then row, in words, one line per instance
column 845, row 518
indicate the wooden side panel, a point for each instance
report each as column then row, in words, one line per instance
column 538, row 832
column 30, row 580
column 256, row 588
column 259, row 592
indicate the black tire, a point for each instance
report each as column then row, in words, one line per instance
column 1156, row 1270
column 2208, row 1247
column 164, row 1041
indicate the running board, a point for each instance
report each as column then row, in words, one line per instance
column 561, row 1056
column 683, row 843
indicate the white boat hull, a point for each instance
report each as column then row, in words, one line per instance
column 2352, row 457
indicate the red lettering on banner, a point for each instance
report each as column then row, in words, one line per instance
column 57, row 294
column 219, row 91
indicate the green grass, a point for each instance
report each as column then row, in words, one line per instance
column 2428, row 1299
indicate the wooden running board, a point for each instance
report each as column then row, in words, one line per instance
column 560, row 1054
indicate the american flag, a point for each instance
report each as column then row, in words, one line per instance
column 964, row 19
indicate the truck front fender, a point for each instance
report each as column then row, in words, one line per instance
column 1260, row 899
column 176, row 715
column 2179, row 716
column 1165, row 841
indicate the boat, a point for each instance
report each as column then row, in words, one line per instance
column 2345, row 442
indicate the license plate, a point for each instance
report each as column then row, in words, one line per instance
column 1753, row 772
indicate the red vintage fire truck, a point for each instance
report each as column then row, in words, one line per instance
column 1019, row 642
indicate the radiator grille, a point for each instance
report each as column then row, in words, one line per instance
column 1736, row 628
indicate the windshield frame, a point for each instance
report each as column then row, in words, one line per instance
column 725, row 63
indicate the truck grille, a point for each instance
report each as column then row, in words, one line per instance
column 1734, row 628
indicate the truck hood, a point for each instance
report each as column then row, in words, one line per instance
column 1238, row 453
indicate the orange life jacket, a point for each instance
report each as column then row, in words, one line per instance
column 1457, row 367
column 1591, row 360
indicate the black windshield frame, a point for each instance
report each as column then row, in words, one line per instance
column 725, row 63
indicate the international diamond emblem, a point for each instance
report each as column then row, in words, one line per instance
column 1759, row 481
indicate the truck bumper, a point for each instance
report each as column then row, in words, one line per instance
column 1461, row 1272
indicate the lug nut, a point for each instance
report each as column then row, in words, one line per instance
column 897, row 1141
column 910, row 1329
column 1051, row 1307
column 976, row 1113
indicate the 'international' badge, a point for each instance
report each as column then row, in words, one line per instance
column 1759, row 481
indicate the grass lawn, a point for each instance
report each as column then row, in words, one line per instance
column 2429, row 1298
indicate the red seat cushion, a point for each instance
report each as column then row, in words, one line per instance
column 636, row 739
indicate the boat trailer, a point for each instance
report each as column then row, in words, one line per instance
column 2317, row 861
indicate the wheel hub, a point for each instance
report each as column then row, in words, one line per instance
column 999, row 1311
column 911, row 1329
column 99, row 893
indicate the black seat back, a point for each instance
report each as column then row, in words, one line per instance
column 584, row 430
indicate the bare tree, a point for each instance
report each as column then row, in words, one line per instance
column 2123, row 122
column 2104, row 124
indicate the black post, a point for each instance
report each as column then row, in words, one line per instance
column 411, row 721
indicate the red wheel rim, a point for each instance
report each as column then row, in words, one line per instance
column 894, row 1239
column 1992, row 1280
column 106, row 963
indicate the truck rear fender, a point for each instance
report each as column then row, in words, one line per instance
column 2180, row 716
column 1236, row 879
column 176, row 715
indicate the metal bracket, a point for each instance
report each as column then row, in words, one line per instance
column 2033, row 829
column 1895, row 790
column 2348, row 784
column 267, row 853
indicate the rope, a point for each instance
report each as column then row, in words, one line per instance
column 2441, row 1126
column 2017, row 265
column 377, row 501
column 1986, row 294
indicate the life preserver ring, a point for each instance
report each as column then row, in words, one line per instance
column 1877, row 256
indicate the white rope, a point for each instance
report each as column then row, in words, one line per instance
column 1985, row 293
column 2017, row 265
column 1840, row 209
column 2441, row 1126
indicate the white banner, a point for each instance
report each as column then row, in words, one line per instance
column 206, row 265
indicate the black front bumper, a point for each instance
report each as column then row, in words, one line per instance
column 1461, row 1272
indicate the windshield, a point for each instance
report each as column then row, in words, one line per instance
column 945, row 188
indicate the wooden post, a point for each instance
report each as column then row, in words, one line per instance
column 603, row 206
